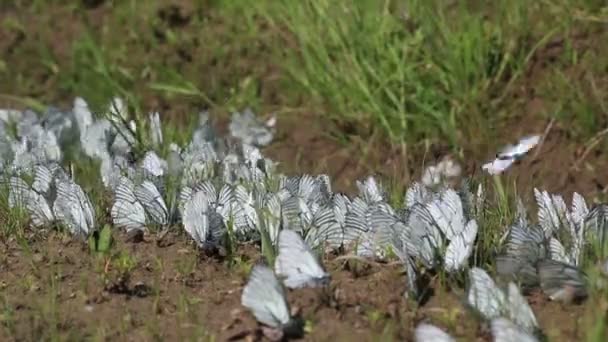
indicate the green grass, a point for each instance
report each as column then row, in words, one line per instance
column 363, row 60
column 409, row 69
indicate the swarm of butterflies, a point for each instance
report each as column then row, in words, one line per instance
column 218, row 188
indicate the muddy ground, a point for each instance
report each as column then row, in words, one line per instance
column 53, row 288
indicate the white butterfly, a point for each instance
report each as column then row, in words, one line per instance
column 524, row 145
column 555, row 219
column 246, row 127
column 82, row 114
column 510, row 154
column 204, row 225
column 195, row 220
column 93, row 133
column 483, row 294
column 43, row 176
column 21, row 195
column 127, row 212
column 296, row 262
column 270, row 215
column 429, row 333
column 492, row 302
column 519, row 309
column 423, row 236
column 153, row 165
column 460, row 248
column 497, row 166
column 153, row 202
column 418, row 193
column 73, row 208
column 504, row 330
column 370, row 190
column 265, row 297
column 448, row 214
column 326, row 230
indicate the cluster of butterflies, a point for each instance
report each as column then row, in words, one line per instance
column 53, row 197
column 551, row 252
column 507, row 311
column 438, row 229
column 220, row 188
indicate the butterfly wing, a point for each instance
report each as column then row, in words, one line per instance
column 296, row 262
column 265, row 297
column 417, row 193
column 195, row 220
column 153, row 165
column 423, row 235
column 460, row 248
column 325, row 230
column 127, row 212
column 520, row 312
column 148, row 195
column 497, row 166
column 39, row 209
column 73, row 208
column 552, row 211
column 18, row 193
column 521, row 148
column 370, row 190
column 448, row 214
column 483, row 294
column 43, row 176
column 504, row 330
column 429, row 333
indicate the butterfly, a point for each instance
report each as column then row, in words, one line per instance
column 203, row 224
column 448, row 214
column 511, row 153
column 246, row 127
column 296, row 263
column 492, row 302
column 559, row 222
column 504, row 330
column 429, row 333
column 264, row 296
column 127, row 212
column 73, row 207
column 561, row 281
column 34, row 199
column 21, row 195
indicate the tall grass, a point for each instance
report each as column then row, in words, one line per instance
column 410, row 69
column 415, row 69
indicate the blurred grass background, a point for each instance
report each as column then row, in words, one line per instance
column 449, row 71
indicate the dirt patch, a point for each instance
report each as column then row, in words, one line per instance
column 55, row 288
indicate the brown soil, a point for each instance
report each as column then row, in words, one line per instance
column 55, row 288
